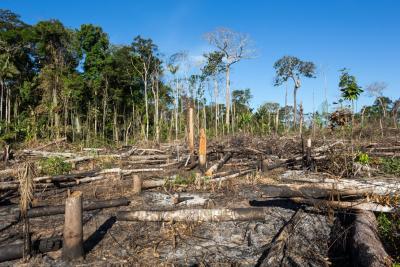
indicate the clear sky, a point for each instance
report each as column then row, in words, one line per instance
column 363, row 35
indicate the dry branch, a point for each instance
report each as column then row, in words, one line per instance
column 276, row 252
column 219, row 164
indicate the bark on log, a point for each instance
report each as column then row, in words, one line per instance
column 194, row 215
column 73, row 228
column 309, row 191
column 137, row 184
column 367, row 249
column 376, row 186
column 202, row 149
column 13, row 214
column 219, row 164
column 324, row 204
column 15, row 251
column 276, row 252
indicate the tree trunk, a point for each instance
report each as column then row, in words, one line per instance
column 194, row 215
column 367, row 249
column 191, row 131
column 295, row 106
column 228, row 97
column 146, row 101
column 73, row 228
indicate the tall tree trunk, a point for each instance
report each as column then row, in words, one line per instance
column 228, row 97
column 105, row 98
column 295, row 106
column 55, row 104
column 146, row 107
column 216, row 105
column 1, row 98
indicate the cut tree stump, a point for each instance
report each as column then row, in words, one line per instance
column 202, row 150
column 73, row 228
column 137, row 184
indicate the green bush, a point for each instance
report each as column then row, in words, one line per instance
column 389, row 231
column 363, row 158
column 54, row 166
column 390, row 165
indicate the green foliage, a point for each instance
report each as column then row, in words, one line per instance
column 289, row 67
column 363, row 158
column 389, row 231
column 390, row 165
column 348, row 86
column 180, row 180
column 54, row 166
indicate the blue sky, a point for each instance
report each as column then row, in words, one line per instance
column 362, row 35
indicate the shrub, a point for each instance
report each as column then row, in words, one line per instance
column 54, row 166
column 363, row 158
column 390, row 165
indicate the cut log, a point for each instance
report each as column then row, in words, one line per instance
column 194, row 215
column 326, row 204
column 60, row 140
column 375, row 185
column 276, row 252
column 46, row 154
column 60, row 209
column 73, row 228
column 15, row 251
column 219, row 164
column 367, row 249
column 128, row 153
column 231, row 176
column 309, row 191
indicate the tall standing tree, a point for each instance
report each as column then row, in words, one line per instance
column 351, row 91
column 376, row 90
column 57, row 57
column 213, row 67
column 94, row 46
column 292, row 68
column 235, row 46
column 146, row 54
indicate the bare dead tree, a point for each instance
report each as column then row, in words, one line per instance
column 235, row 46
column 376, row 89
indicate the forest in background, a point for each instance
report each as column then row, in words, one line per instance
column 61, row 82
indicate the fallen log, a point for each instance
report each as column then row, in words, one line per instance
column 194, row 215
column 46, row 154
column 231, row 176
column 327, row 204
column 15, row 251
column 219, row 164
column 60, row 209
column 376, row 186
column 367, row 249
column 276, row 252
column 51, row 143
column 309, row 191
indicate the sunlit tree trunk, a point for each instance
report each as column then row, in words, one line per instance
column 228, row 97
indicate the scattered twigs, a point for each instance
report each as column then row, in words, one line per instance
column 276, row 252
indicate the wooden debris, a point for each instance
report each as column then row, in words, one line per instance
column 276, row 252
column 367, row 249
column 219, row 164
column 202, row 149
column 73, row 228
column 194, row 215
